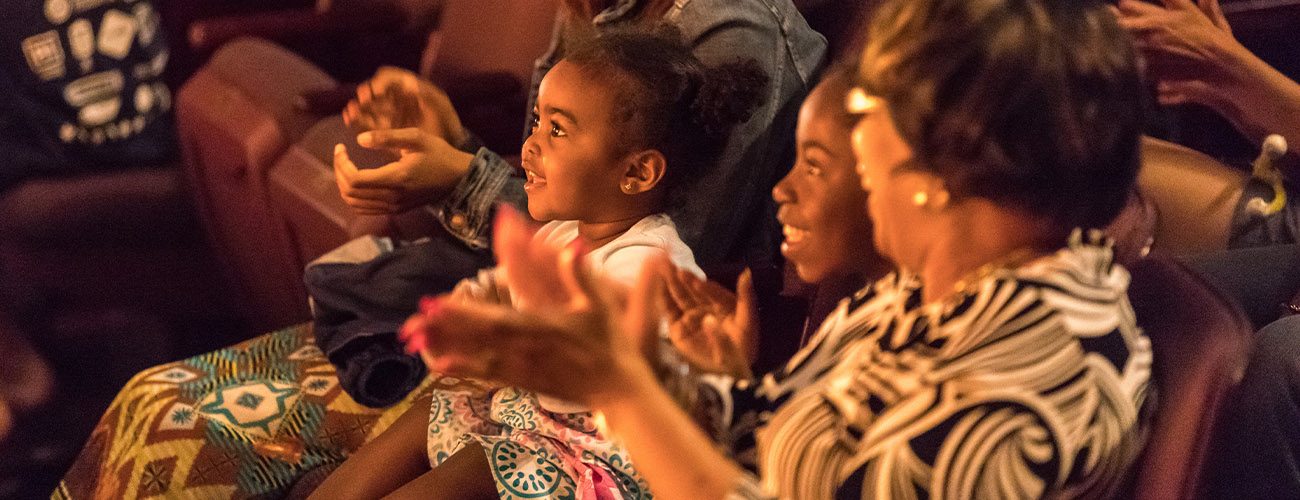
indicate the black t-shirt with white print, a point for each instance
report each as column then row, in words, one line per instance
column 81, row 87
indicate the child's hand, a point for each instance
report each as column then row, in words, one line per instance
column 396, row 98
column 715, row 329
column 427, row 168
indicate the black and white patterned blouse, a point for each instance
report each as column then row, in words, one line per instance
column 1028, row 385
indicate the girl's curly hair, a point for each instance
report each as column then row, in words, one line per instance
column 667, row 99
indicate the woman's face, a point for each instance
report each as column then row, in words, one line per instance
column 570, row 158
column 822, row 211
column 900, row 224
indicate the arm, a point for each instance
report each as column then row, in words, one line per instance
column 1192, row 55
column 380, row 467
column 676, row 457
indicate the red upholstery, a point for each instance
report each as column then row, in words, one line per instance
column 236, row 117
column 1200, row 342
column 485, row 73
column 261, row 165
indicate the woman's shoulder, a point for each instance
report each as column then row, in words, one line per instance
column 1084, row 271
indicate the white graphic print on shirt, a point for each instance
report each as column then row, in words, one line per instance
column 116, row 33
column 44, row 55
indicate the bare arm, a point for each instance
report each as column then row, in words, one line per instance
column 1191, row 54
column 382, row 466
column 676, row 457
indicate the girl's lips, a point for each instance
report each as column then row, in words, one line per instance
column 532, row 180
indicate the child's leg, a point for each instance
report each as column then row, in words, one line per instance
column 464, row 475
column 394, row 458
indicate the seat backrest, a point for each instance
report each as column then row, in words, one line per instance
column 477, row 37
column 1200, row 341
column 482, row 55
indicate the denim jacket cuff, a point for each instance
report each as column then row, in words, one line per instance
column 466, row 213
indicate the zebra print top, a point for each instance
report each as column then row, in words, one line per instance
column 1028, row 385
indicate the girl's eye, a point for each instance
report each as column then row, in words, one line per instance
column 536, row 122
column 813, row 170
column 556, row 131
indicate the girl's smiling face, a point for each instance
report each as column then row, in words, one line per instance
column 571, row 158
column 822, row 208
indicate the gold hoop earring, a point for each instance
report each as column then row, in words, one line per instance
column 937, row 201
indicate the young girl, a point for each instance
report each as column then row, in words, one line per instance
column 624, row 119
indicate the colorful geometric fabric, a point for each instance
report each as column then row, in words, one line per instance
column 244, row 421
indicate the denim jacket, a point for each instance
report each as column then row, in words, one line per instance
column 729, row 216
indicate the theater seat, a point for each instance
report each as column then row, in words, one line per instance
column 260, row 161
column 1200, row 342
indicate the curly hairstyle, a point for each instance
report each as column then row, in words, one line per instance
column 1033, row 103
column 667, row 99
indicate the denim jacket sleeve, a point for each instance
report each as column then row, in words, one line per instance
column 467, row 212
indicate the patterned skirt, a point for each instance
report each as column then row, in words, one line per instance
column 245, row 421
column 251, row 420
column 532, row 452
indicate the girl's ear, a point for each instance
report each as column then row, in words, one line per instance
column 644, row 171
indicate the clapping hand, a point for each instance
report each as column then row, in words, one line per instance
column 396, row 98
column 427, row 168
column 1184, row 44
column 716, row 330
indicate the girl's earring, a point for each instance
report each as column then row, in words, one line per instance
column 627, row 188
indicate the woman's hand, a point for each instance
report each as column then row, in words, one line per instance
column 716, row 330
column 1188, row 47
column 396, row 98
column 570, row 335
column 427, row 168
